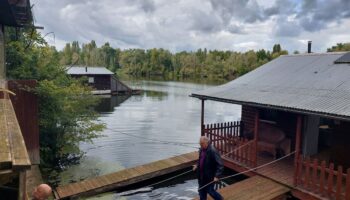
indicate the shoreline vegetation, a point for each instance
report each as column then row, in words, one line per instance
column 66, row 115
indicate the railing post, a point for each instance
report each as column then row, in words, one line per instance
column 297, row 146
column 241, row 128
column 202, row 118
column 256, row 130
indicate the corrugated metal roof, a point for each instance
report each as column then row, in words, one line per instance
column 344, row 59
column 308, row 83
column 82, row 70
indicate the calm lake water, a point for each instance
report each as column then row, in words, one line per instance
column 138, row 128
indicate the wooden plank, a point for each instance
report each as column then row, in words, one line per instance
column 19, row 154
column 339, row 183
column 330, row 180
column 347, row 188
column 5, row 151
column 253, row 188
column 322, row 177
column 314, row 176
column 126, row 177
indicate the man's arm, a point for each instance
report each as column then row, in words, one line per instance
column 219, row 164
column 194, row 167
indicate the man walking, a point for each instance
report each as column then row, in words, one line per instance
column 209, row 167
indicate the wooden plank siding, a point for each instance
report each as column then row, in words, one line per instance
column 126, row 177
column 25, row 103
column 248, row 115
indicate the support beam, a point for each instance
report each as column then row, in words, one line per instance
column 256, row 130
column 297, row 146
column 202, row 118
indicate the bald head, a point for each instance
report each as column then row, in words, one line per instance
column 42, row 192
column 204, row 142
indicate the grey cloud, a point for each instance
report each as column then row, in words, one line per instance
column 148, row 5
column 315, row 15
column 236, row 29
column 287, row 29
column 281, row 8
column 248, row 11
column 205, row 22
column 170, row 24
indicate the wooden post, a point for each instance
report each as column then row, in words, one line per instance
column 202, row 119
column 297, row 147
column 256, row 130
column 22, row 190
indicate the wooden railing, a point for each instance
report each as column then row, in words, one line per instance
column 322, row 179
column 227, row 139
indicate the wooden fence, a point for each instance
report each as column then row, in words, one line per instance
column 227, row 139
column 323, row 179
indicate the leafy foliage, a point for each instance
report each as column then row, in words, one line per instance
column 339, row 47
column 66, row 116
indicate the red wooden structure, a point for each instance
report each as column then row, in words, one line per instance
column 315, row 178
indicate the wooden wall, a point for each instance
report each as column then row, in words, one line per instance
column 101, row 82
column 25, row 104
column 248, row 116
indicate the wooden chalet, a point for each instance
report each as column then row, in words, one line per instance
column 100, row 78
column 295, row 124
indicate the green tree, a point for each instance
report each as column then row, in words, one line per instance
column 339, row 47
column 65, row 114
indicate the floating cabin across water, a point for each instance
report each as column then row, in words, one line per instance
column 296, row 105
column 100, row 78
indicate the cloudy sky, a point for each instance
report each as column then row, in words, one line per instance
column 178, row 25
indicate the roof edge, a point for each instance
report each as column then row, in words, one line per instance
column 298, row 111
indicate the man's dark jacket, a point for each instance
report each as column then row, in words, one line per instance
column 213, row 166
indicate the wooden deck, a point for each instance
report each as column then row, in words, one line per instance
column 126, row 177
column 281, row 171
column 254, row 188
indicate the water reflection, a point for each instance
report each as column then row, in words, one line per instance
column 135, row 124
column 108, row 102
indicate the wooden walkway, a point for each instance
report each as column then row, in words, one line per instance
column 254, row 188
column 126, row 177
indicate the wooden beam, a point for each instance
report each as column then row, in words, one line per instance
column 202, row 118
column 297, row 146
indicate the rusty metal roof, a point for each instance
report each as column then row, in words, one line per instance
column 87, row 70
column 306, row 83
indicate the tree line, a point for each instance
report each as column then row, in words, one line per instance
column 162, row 62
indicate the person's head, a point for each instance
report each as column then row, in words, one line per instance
column 42, row 192
column 204, row 142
